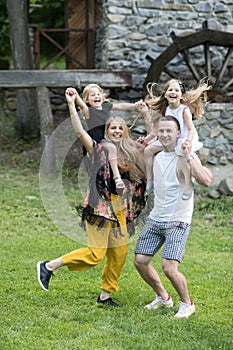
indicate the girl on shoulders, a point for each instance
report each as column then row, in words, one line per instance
column 176, row 101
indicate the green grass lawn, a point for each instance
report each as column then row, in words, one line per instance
column 67, row 317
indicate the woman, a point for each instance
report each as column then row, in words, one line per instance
column 105, row 213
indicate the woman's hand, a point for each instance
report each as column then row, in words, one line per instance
column 140, row 143
column 70, row 94
column 141, row 106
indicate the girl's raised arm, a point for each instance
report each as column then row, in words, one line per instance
column 85, row 138
column 82, row 105
column 123, row 106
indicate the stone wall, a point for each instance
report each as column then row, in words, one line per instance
column 216, row 132
column 129, row 30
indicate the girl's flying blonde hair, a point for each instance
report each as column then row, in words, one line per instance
column 193, row 98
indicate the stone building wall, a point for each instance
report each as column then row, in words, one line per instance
column 129, row 30
column 215, row 131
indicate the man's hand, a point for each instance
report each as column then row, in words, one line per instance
column 187, row 148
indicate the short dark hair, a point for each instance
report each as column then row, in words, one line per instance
column 170, row 118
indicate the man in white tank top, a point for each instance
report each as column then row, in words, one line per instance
column 169, row 221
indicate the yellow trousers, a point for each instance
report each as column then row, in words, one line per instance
column 103, row 242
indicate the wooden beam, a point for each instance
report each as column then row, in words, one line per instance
column 64, row 78
column 224, row 66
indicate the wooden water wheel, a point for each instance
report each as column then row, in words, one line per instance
column 206, row 53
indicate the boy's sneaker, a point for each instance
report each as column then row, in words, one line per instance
column 43, row 275
column 159, row 302
column 185, row 310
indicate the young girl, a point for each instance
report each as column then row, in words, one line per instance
column 179, row 103
column 96, row 110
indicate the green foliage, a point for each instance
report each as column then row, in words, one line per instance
column 50, row 15
column 219, row 210
column 5, row 48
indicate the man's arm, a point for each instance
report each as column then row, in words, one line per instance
column 201, row 174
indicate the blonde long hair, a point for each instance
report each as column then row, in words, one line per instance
column 193, row 98
column 132, row 160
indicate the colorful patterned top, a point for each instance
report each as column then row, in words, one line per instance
column 97, row 208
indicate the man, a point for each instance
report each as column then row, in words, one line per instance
column 169, row 221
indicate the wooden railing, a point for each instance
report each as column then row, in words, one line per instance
column 86, row 34
column 107, row 79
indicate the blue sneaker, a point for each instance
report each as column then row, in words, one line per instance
column 43, row 275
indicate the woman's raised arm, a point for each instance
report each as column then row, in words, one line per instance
column 84, row 137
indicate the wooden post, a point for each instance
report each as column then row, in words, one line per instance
column 46, row 130
column 27, row 111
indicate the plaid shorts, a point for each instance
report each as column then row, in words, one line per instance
column 155, row 233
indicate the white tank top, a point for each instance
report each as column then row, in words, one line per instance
column 168, row 202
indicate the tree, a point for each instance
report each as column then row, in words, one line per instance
column 49, row 15
column 27, row 106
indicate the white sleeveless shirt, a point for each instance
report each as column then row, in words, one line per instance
column 168, row 202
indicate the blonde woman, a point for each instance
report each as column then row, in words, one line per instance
column 105, row 214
